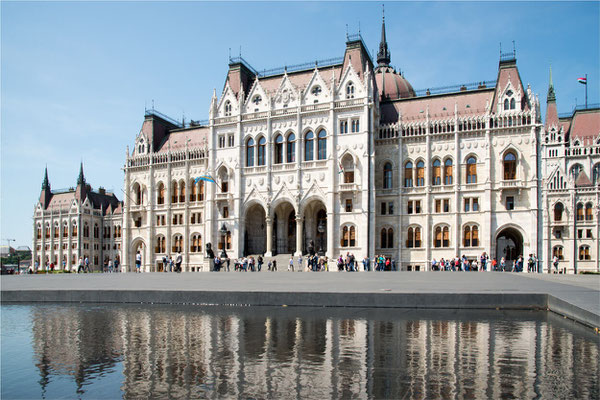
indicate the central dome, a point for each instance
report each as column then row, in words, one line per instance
column 391, row 85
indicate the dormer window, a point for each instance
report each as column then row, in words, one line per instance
column 227, row 108
column 350, row 90
column 316, row 90
column 509, row 102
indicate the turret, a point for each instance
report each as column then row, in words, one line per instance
column 46, row 194
column 383, row 55
column 551, row 112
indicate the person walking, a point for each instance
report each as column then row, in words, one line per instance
column 291, row 264
column 259, row 262
column 138, row 262
column 178, row 262
column 300, row 263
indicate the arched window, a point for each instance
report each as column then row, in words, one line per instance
column 558, row 211
column 193, row 190
column 579, row 211
column 467, row 236
column 510, row 166
column 278, row 159
column 291, row 148
column 584, row 253
column 588, row 212
column 181, row 191
column 160, row 247
column 352, row 236
column 86, row 230
column 350, row 90
column 448, row 172
column 201, row 191
column 421, row 173
column 65, row 230
column 177, row 246
column 137, row 194
column 196, row 243
column 227, row 108
column 596, row 174
column 174, row 192
column 475, row 236
column 471, row 170
column 161, row 194
column 309, row 146
column 224, row 178
column 348, row 237
column 74, row 229
column 322, row 145
column 387, row 176
column 471, row 236
column 56, row 230
column 383, row 238
column 576, row 170
column 410, row 238
column 506, row 104
column 250, row 153
column 513, row 103
column 417, row 237
column 96, row 231
column 438, row 237
column 262, row 143
column 408, row 174
column 446, row 237
column 345, row 236
column 348, row 168
column 557, row 251
column 47, row 231
column 390, row 238
column 437, row 173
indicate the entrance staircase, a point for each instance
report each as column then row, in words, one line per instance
column 283, row 261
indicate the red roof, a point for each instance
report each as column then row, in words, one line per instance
column 586, row 124
column 176, row 140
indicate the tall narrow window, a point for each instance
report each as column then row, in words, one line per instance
column 471, row 170
column 193, row 190
column 348, row 168
column 182, row 192
column 174, row 192
column 580, row 212
column 227, row 108
column 575, row 171
column 408, row 174
column 383, row 238
column 510, row 166
column 448, row 172
column 322, row 144
column 446, row 237
column 350, row 90
column 437, row 173
column 161, row 193
column 438, row 237
column 467, row 236
column 345, row 237
column 352, row 236
column 309, row 146
column 278, row 156
column 250, row 153
column 558, row 211
column 262, row 142
column 417, row 237
column 596, row 174
column 390, row 238
column 513, row 103
column 201, row 191
column 588, row 212
column 410, row 238
column 420, row 173
column 387, row 176
column 291, row 148
column 475, row 237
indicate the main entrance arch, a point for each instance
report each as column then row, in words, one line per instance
column 509, row 244
column 315, row 222
column 284, row 228
column 137, row 245
column 255, row 232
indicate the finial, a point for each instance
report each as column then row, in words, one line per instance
column 347, row 37
column 46, row 182
column 383, row 11
column 81, row 178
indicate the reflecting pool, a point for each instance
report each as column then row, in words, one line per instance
column 160, row 351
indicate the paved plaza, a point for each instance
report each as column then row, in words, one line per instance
column 576, row 296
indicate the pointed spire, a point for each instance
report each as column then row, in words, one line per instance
column 551, row 94
column 81, row 178
column 383, row 55
column 46, row 182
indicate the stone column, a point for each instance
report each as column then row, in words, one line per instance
column 269, row 222
column 298, row 235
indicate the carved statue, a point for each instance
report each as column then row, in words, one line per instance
column 209, row 251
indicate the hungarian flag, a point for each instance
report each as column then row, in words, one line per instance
column 206, row 178
column 582, row 81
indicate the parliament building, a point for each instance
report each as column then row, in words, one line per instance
column 344, row 156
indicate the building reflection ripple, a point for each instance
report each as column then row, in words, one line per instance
column 264, row 352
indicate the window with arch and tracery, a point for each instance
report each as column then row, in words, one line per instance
column 174, row 197
column 350, row 90
column 86, row 230
column 224, row 178
column 161, row 194
column 74, row 229
column 201, row 191
column 250, row 153
column 348, row 237
column 448, row 172
column 177, row 246
column 471, row 236
column 580, row 215
column 387, row 176
column 408, row 174
column 161, row 245
column 278, row 149
column 559, row 208
column 309, row 140
column 596, row 174
column 442, row 237
column 413, row 237
column 96, row 231
column 193, row 190
column 261, row 151
column 420, row 173
column 575, row 171
column 322, row 145
column 557, row 251
column 290, row 148
column 436, row 173
column 182, row 192
column 348, row 168
column 56, row 230
column 65, row 228
column 510, row 166
column 584, row 253
column 196, row 243
column 387, row 238
column 471, row 170
column 589, row 212
column 228, row 108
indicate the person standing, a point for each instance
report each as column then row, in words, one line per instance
column 300, row 263
column 138, row 262
column 178, row 262
column 366, row 266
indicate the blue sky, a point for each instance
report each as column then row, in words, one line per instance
column 76, row 76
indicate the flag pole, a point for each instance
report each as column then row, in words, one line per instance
column 586, row 91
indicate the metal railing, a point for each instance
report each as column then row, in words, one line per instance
column 456, row 88
column 579, row 107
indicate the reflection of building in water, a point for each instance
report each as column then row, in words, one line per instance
column 171, row 352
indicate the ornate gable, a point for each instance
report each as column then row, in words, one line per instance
column 350, row 85
column 257, row 100
column 228, row 105
column 317, row 90
column 286, row 95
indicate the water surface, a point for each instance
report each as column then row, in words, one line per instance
column 141, row 351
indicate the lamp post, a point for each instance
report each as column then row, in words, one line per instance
column 321, row 230
column 223, row 231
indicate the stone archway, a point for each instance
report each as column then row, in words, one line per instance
column 284, row 228
column 509, row 244
column 137, row 245
column 255, row 232
column 315, row 226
